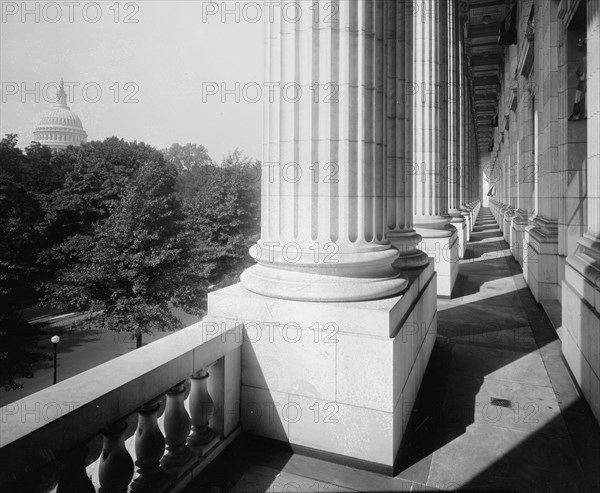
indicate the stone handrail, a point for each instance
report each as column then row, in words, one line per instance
column 56, row 423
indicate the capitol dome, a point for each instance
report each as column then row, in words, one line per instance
column 59, row 127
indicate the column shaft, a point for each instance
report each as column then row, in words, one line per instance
column 429, row 112
column 454, row 119
column 399, row 134
column 323, row 234
column 430, row 141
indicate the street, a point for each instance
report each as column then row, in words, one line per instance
column 78, row 351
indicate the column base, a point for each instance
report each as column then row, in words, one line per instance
column 500, row 219
column 334, row 377
column 442, row 245
column 410, row 257
column 540, row 258
column 507, row 218
column 459, row 222
column 464, row 212
column 331, row 276
column 581, row 321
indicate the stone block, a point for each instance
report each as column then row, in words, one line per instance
column 357, row 432
column 581, row 339
column 266, row 413
column 332, row 376
column 445, row 252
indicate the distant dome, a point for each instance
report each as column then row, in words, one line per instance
column 59, row 127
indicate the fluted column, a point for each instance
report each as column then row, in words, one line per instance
column 399, row 46
column 463, row 128
column 463, row 121
column 454, row 88
column 587, row 259
column 324, row 224
column 429, row 113
column 454, row 121
column 430, row 141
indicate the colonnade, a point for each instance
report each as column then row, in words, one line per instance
column 389, row 166
column 367, row 200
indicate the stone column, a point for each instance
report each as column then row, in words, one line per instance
column 304, row 331
column 430, row 151
column 581, row 287
column 399, row 137
column 541, row 235
column 323, row 223
column 463, row 127
column 524, row 136
column 525, row 140
column 454, row 121
column 509, row 136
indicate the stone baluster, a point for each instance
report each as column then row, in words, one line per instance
column 149, row 449
column 177, row 425
column 74, row 478
column 116, row 465
column 201, row 410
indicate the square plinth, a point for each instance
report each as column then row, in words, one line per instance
column 335, row 378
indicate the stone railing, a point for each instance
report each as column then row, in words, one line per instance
column 50, row 430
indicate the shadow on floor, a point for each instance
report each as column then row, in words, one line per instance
column 497, row 409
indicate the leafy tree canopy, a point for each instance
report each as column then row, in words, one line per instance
column 136, row 261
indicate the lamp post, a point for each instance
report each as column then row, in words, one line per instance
column 55, row 340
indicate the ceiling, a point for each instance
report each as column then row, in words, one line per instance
column 485, row 58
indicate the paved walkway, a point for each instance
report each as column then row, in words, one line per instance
column 497, row 409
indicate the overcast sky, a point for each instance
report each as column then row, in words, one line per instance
column 166, row 65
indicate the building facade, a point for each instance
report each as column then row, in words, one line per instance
column 544, row 163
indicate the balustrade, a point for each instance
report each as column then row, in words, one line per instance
column 165, row 450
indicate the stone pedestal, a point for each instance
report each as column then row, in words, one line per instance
column 508, row 216
column 464, row 212
column 462, row 231
column 580, row 334
column 540, row 254
column 443, row 247
column 519, row 223
column 338, row 378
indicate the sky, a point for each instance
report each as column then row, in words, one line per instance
column 156, row 71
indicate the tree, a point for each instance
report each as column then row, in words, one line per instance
column 19, row 243
column 224, row 217
column 135, row 262
column 187, row 157
column 96, row 176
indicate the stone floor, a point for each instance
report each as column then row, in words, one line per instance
column 497, row 410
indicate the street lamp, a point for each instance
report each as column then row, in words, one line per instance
column 55, row 340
